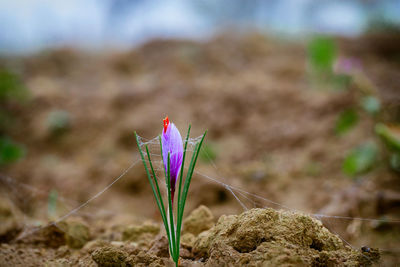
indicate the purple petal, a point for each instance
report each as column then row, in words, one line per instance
column 171, row 141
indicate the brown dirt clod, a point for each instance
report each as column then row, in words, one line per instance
column 111, row 256
column 135, row 232
column 269, row 237
column 199, row 220
column 76, row 234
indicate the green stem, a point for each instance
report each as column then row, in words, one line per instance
column 180, row 186
column 183, row 166
column 163, row 214
column 166, row 175
column 171, row 215
column 181, row 205
column 149, row 178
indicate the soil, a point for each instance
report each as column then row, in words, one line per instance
column 270, row 133
column 257, row 237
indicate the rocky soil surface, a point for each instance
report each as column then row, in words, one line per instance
column 257, row 237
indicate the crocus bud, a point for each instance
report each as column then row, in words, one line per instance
column 171, row 141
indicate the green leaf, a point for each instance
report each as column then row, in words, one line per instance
column 11, row 87
column 346, row 120
column 181, row 204
column 322, row 53
column 9, row 151
column 361, row 159
column 179, row 210
column 395, row 162
column 52, row 204
column 371, row 104
column 5, row 120
column 157, row 194
column 341, row 81
column 390, row 135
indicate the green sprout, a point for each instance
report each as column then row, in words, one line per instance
column 10, row 151
column 361, row 159
column 346, row 121
column 322, row 54
column 390, row 134
column 52, row 204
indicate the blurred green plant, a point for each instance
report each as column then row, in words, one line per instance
column 10, row 151
column 11, row 87
column 346, row 121
column 395, row 162
column 12, row 92
column 361, row 159
column 322, row 54
column 341, row 81
column 370, row 104
column 390, row 135
column 58, row 122
column 382, row 24
column 52, row 204
column 208, row 153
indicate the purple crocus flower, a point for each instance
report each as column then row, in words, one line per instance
column 172, row 142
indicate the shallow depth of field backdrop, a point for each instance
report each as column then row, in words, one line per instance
column 301, row 100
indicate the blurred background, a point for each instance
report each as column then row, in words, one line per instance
column 301, row 99
column 31, row 26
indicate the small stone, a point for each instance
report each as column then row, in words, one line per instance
column 117, row 244
column 184, row 253
column 187, row 240
column 58, row 263
column 62, row 251
column 76, row 234
column 134, row 232
column 199, row 220
column 95, row 244
column 160, row 247
column 51, row 236
column 145, row 259
column 110, row 256
column 9, row 226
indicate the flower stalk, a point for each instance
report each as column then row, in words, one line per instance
column 173, row 156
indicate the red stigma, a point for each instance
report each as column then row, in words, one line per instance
column 166, row 123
